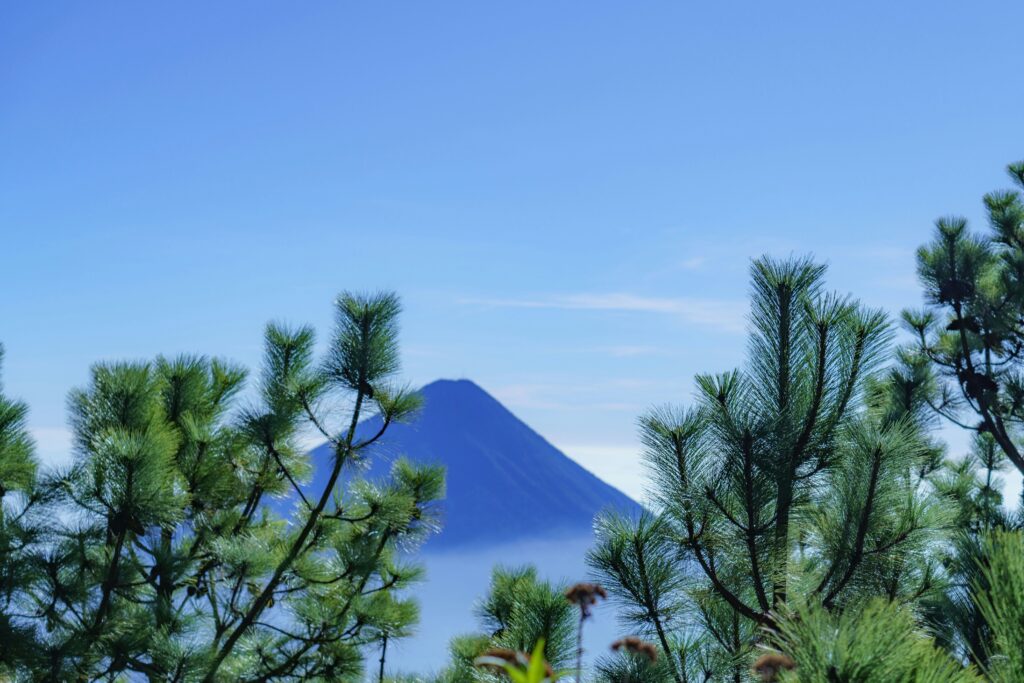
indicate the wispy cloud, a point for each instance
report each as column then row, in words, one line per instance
column 693, row 263
column 619, row 465
column 719, row 314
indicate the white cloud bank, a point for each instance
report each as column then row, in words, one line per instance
column 618, row 465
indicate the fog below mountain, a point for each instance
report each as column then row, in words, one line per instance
column 457, row 579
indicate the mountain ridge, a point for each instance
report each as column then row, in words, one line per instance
column 505, row 482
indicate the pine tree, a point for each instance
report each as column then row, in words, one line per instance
column 18, row 493
column 638, row 560
column 874, row 642
column 972, row 490
column 800, row 475
column 999, row 594
column 519, row 611
column 626, row 667
column 160, row 557
column 973, row 330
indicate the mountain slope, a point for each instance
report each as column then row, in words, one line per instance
column 505, row 482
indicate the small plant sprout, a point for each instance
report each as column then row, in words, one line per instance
column 519, row 666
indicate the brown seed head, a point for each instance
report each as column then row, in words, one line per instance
column 770, row 664
column 510, row 656
column 513, row 657
column 585, row 595
column 636, row 646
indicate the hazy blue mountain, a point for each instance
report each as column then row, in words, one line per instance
column 512, row 498
column 505, row 483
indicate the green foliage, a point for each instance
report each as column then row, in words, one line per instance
column 155, row 555
column 519, row 611
column 464, row 651
column 973, row 330
column 876, row 507
column 507, row 584
column 628, row 668
column 970, row 489
column 17, row 461
column 812, row 499
column 365, row 345
column 126, row 446
column 638, row 561
column 542, row 614
column 874, row 642
column 18, row 467
column 1000, row 598
column 801, row 475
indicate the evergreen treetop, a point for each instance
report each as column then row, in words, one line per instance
column 973, row 328
column 156, row 555
column 801, row 472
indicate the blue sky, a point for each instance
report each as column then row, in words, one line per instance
column 566, row 195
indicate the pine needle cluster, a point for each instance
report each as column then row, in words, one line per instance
column 972, row 332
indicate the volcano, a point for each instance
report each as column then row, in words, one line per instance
column 505, row 482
